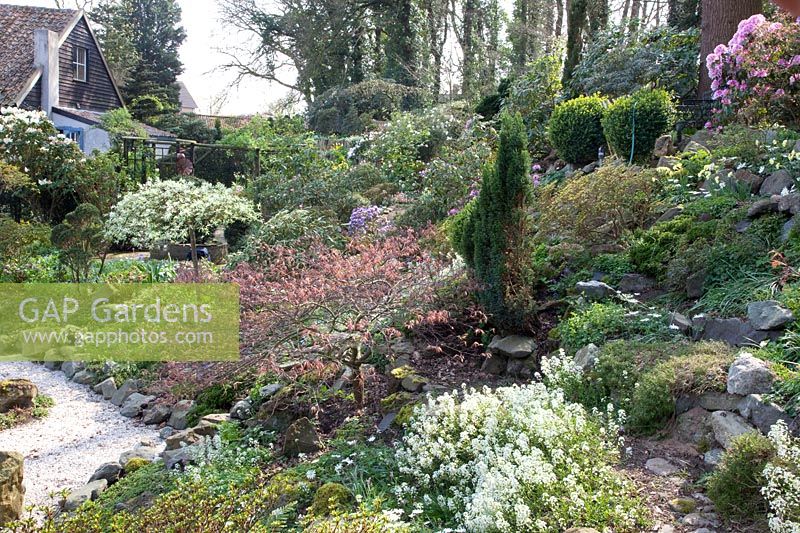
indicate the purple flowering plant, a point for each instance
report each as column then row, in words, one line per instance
column 756, row 76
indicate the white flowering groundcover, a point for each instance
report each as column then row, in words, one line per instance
column 520, row 459
column 782, row 490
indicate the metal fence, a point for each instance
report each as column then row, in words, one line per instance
column 215, row 163
column 693, row 113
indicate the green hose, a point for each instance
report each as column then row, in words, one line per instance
column 633, row 133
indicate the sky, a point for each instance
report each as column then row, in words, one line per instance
column 201, row 58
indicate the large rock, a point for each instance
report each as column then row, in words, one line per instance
column 17, row 393
column 181, row 457
column 301, row 437
column 106, row 388
column 693, row 147
column 586, row 357
column 111, row 472
column 749, row 179
column 734, row 331
column 695, row 284
column 636, row 283
column 762, row 414
column 694, row 426
column 768, row 315
column 749, row 375
column 242, row 410
column 667, row 162
column 764, row 207
column 155, row 415
column 135, row 404
column 515, row 346
column 125, row 390
column 84, row 377
column 719, row 401
column 145, row 451
column 664, row 146
column 680, row 322
column 776, row 183
column 12, row 491
column 661, row 467
column 594, row 290
column 89, row 492
column 727, row 426
column 70, row 368
column 268, row 391
column 191, row 436
column 670, row 214
column 180, row 414
column 494, row 364
column 789, row 203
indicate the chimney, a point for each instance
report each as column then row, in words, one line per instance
column 45, row 57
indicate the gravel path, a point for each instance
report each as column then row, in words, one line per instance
column 81, row 432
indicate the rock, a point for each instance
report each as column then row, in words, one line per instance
column 111, row 472
column 591, row 167
column 786, row 231
column 667, row 162
column 521, row 368
column 106, row 388
column 797, row 146
column 126, row 389
column 719, row 401
column 301, row 437
column 693, row 147
column 764, row 207
column 494, row 364
column 586, row 357
column 134, row 405
column 636, row 284
column 762, row 414
column 684, row 403
column 53, row 365
column 84, row 377
column 680, row 322
column 140, row 451
column 182, row 457
column 735, row 332
column 17, row 393
column 661, row 467
column 268, row 391
column 749, row 375
column 386, row 422
column 694, row 426
column 683, row 505
column 742, row 226
column 81, row 495
column 188, row 437
column 749, row 179
column 768, row 315
column 789, row 203
column 70, row 368
column 180, row 413
column 594, row 290
column 776, row 183
column 696, row 520
column 713, row 456
column 345, row 377
column 413, row 383
column 214, row 419
column 670, row 214
column 514, row 346
column 664, row 146
column 165, row 432
column 155, row 415
column 727, row 426
column 242, row 410
column 665, row 528
column 703, row 137
column 695, row 284
column 12, row 491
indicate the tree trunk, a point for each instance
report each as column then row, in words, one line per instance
column 468, row 48
column 559, row 19
column 576, row 21
column 636, row 13
column 625, row 8
column 195, row 262
column 720, row 19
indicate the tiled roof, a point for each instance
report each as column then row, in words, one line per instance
column 17, row 24
column 94, row 117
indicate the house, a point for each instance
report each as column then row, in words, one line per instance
column 188, row 104
column 50, row 60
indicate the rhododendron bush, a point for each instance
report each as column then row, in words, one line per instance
column 514, row 459
column 333, row 303
column 756, row 76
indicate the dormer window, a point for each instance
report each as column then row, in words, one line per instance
column 80, row 60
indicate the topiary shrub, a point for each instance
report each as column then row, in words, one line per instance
column 735, row 486
column 647, row 112
column 575, row 129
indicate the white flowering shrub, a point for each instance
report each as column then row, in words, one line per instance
column 514, row 459
column 782, row 489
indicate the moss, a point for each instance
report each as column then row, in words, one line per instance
column 404, row 415
column 735, row 487
column 395, row 402
column 402, row 372
column 330, row 498
column 151, row 478
column 135, row 464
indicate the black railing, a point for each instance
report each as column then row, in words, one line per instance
column 693, row 113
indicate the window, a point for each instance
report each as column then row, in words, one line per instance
column 75, row 134
column 80, row 59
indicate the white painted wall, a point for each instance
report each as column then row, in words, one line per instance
column 94, row 137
